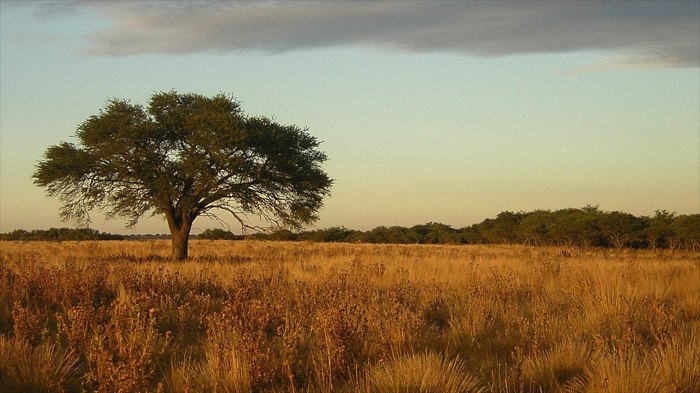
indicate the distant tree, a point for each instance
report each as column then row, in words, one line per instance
column 437, row 233
column 17, row 234
column 471, row 235
column 59, row 234
column 533, row 228
column 218, row 234
column 659, row 229
column 378, row 234
column 570, row 227
column 584, row 227
column 687, row 231
column 282, row 234
column 501, row 229
column 400, row 235
column 589, row 233
column 591, row 210
column 182, row 157
column 621, row 229
column 333, row 234
column 317, row 235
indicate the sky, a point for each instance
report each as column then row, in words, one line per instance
column 429, row 111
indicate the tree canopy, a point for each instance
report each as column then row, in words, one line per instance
column 185, row 156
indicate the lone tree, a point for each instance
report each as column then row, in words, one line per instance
column 186, row 156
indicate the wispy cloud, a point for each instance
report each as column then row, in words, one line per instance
column 657, row 33
column 633, row 62
column 35, row 39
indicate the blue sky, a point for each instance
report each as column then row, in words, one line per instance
column 447, row 112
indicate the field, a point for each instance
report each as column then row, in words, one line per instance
column 250, row 316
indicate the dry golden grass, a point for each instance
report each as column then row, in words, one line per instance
column 301, row 317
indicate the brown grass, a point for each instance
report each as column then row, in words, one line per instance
column 301, row 317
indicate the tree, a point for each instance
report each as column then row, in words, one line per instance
column 659, row 229
column 532, row 229
column 333, row 234
column 218, row 234
column 436, row 233
column 687, row 231
column 574, row 227
column 471, row 235
column 621, row 229
column 185, row 156
column 501, row 229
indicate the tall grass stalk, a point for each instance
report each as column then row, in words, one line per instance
column 245, row 316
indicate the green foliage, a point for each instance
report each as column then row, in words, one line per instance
column 329, row 235
column 659, row 229
column 218, row 234
column 184, row 156
column 621, row 229
column 686, row 232
column 588, row 227
column 502, row 228
column 584, row 227
column 436, row 233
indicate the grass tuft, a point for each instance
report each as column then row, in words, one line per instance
column 423, row 373
column 44, row 368
column 246, row 316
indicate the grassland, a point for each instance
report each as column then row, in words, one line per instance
column 303, row 317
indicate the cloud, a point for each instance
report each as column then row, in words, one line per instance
column 648, row 32
column 34, row 39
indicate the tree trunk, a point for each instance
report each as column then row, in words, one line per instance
column 180, row 241
column 616, row 240
column 180, row 226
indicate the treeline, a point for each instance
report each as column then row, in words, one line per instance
column 218, row 234
column 60, row 234
column 73, row 234
column 585, row 227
